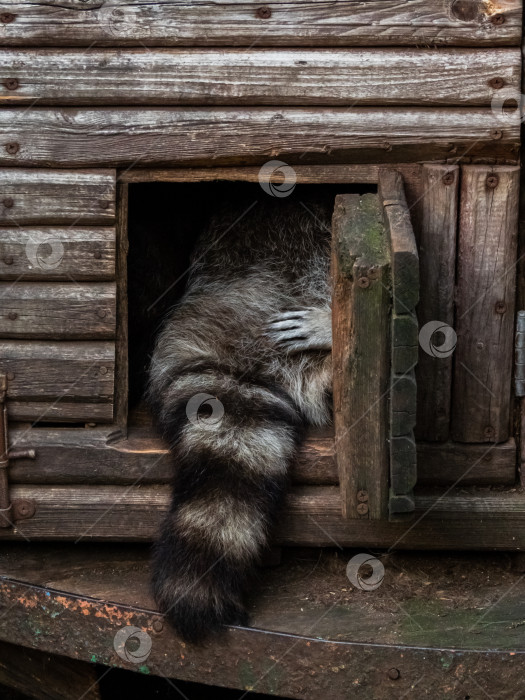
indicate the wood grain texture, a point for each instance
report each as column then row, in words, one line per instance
column 292, row 23
column 41, row 371
column 486, row 287
column 42, row 676
column 437, row 259
column 75, row 197
column 311, row 516
column 52, row 253
column 170, row 136
column 344, row 77
column 360, row 353
column 60, row 411
column 80, row 456
column 454, row 462
column 58, row 311
column 122, row 334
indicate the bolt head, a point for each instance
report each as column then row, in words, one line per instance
column 492, row 182
column 394, row 674
column 362, row 496
column 373, row 273
column 363, row 282
column 496, row 134
column 8, row 260
column 8, row 202
column 157, row 625
column 496, row 83
column 498, row 19
column 263, row 12
column 500, row 307
column 448, row 179
column 362, row 509
column 12, row 148
column 97, row 255
column 11, row 83
column 10, row 376
column 7, row 17
column 102, row 313
column 12, row 316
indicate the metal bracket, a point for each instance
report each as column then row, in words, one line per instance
column 18, row 509
column 519, row 357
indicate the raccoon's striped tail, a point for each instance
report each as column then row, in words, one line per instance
column 232, row 443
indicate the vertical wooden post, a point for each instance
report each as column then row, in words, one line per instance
column 437, row 248
column 361, row 354
column 121, row 359
column 485, row 296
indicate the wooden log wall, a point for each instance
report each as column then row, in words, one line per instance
column 58, row 290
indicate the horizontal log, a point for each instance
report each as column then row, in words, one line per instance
column 344, row 77
column 58, row 311
column 451, row 462
column 48, row 381
column 159, row 136
column 311, row 516
column 79, row 456
column 242, row 23
column 51, row 253
column 79, row 197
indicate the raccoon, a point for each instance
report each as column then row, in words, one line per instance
column 240, row 368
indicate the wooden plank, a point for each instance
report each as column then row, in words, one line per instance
column 80, row 456
column 453, row 462
column 74, row 197
column 52, row 253
column 58, row 311
column 60, row 410
column 227, row 136
column 42, row 676
column 485, row 303
column 479, row 519
column 243, row 23
column 258, row 77
column 360, row 317
column 122, row 334
column 305, row 174
column 49, row 371
column 437, row 248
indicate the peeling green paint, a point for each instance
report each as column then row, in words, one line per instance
column 93, row 658
column 144, row 669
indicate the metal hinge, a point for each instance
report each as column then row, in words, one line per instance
column 18, row 508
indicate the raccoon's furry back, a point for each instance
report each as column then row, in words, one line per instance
column 232, row 404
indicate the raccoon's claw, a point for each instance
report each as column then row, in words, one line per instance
column 304, row 329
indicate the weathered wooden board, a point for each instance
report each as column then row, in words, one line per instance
column 454, row 462
column 41, row 676
column 485, row 297
column 345, row 77
column 58, row 311
column 122, row 398
column 226, row 136
column 75, row 197
column 437, row 259
column 248, row 23
column 311, row 516
column 61, row 411
column 80, row 456
column 60, row 372
column 52, row 253
column 361, row 353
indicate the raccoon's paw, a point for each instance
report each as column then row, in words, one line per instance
column 195, row 610
column 304, row 329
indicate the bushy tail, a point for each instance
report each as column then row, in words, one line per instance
column 232, row 441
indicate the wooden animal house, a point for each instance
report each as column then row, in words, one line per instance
column 410, row 111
